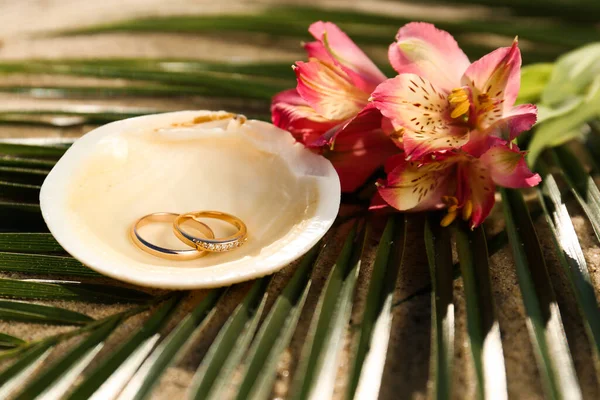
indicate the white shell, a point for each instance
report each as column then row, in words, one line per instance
column 287, row 196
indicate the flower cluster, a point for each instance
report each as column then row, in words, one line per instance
column 443, row 128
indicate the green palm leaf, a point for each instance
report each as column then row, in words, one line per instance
column 30, row 312
column 23, row 175
column 111, row 374
column 15, row 375
column 29, row 243
column 22, row 150
column 19, row 191
column 324, row 339
column 582, row 185
column 41, row 263
column 68, row 366
column 571, row 255
column 482, row 325
column 167, row 351
column 10, row 341
column 375, row 328
column 276, row 332
column 215, row 371
column 439, row 255
column 363, row 27
column 23, row 289
column 20, row 162
column 548, row 337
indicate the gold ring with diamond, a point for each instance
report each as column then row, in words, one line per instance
column 163, row 252
column 215, row 245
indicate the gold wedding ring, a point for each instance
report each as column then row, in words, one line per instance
column 163, row 252
column 214, row 245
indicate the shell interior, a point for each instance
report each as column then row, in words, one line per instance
column 181, row 162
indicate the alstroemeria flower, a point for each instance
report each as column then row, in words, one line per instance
column 440, row 101
column 329, row 110
column 455, row 180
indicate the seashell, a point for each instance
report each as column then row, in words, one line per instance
column 181, row 162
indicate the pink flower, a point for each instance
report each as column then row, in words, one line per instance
column 329, row 110
column 455, row 180
column 440, row 101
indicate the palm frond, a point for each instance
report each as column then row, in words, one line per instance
column 324, row 339
column 31, row 312
column 483, row 327
column 571, row 255
column 242, row 362
column 217, row 367
column 439, row 256
column 30, row 289
column 41, row 263
column 544, row 320
column 368, row 358
column 365, row 28
column 19, row 175
column 582, row 185
column 55, row 380
column 109, row 377
column 29, row 243
column 20, row 371
column 146, row 377
column 273, row 337
column 10, row 341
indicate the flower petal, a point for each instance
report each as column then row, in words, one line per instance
column 418, row 144
column 516, row 121
column 368, row 119
column 357, row 154
column 291, row 113
column 378, row 203
column 416, row 187
column 318, row 51
column 495, row 78
column 328, row 90
column 511, row 125
column 508, row 168
column 423, row 111
column 422, row 49
column 476, row 185
column 363, row 72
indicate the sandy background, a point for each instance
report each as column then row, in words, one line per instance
column 406, row 372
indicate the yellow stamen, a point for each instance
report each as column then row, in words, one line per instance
column 448, row 219
column 458, row 96
column 467, row 210
column 452, row 208
column 397, row 135
column 459, row 100
column 460, row 110
column 450, row 200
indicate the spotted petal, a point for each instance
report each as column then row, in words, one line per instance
column 420, row 108
column 506, row 128
column 328, row 90
column 422, row 49
column 416, row 187
column 477, row 187
column 361, row 70
column 508, row 168
column 495, row 79
column 289, row 111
